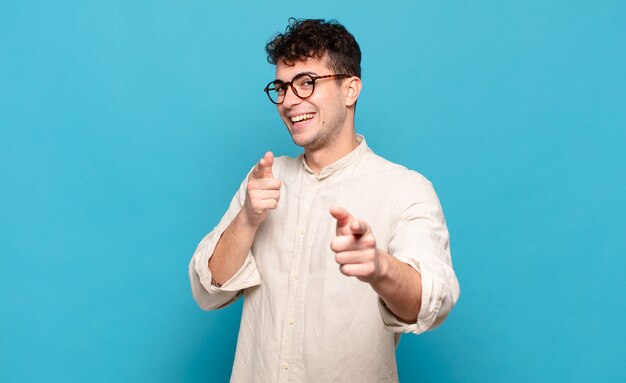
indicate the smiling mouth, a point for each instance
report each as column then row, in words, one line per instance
column 301, row 117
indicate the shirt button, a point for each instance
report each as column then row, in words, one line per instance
column 291, row 321
column 296, row 276
column 302, row 231
column 286, row 366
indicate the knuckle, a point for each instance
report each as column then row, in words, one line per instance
column 338, row 258
column 344, row 270
column 369, row 241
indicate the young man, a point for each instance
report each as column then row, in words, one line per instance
column 337, row 251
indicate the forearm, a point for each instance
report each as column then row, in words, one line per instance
column 400, row 287
column 232, row 249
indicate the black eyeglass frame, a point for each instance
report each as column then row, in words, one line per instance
column 272, row 85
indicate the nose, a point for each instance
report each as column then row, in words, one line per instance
column 291, row 98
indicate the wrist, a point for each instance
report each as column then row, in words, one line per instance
column 384, row 266
column 243, row 221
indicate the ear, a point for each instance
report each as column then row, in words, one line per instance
column 353, row 89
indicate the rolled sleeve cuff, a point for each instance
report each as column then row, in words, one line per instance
column 430, row 308
column 208, row 295
column 245, row 277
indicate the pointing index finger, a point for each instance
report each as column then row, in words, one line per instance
column 263, row 168
column 341, row 215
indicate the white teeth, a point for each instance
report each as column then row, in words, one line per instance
column 301, row 117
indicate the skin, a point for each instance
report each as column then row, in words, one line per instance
column 327, row 137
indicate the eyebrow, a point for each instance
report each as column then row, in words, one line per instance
column 299, row 74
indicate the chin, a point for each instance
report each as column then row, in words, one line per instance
column 301, row 142
column 300, row 138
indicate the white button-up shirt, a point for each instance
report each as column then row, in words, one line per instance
column 304, row 321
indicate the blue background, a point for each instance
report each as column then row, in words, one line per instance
column 125, row 128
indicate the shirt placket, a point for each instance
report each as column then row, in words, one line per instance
column 296, row 285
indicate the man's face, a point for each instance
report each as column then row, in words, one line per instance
column 315, row 122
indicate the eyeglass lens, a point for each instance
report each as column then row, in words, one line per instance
column 302, row 85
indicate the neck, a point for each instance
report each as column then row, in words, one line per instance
column 318, row 159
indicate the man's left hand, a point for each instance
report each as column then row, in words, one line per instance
column 355, row 248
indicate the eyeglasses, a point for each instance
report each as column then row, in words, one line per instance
column 302, row 86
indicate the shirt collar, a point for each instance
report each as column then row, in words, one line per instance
column 345, row 161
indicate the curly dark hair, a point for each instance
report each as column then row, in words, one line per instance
column 312, row 38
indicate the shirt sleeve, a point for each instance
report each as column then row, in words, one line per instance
column 420, row 238
column 208, row 295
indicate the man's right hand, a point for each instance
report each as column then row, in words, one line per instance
column 234, row 245
column 263, row 191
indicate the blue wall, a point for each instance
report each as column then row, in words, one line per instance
column 125, row 128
